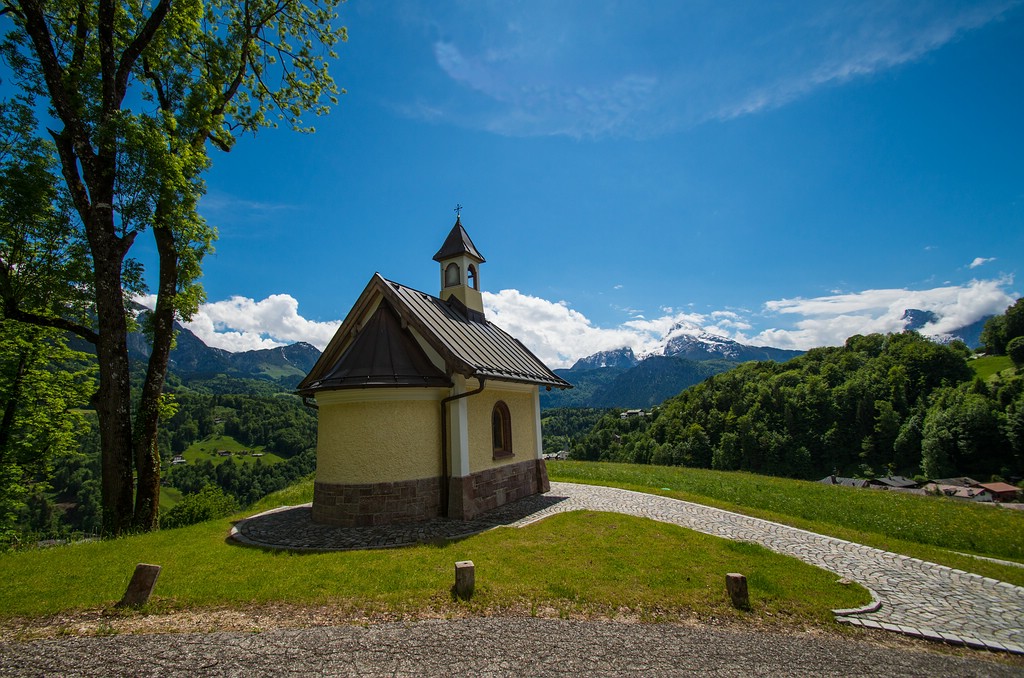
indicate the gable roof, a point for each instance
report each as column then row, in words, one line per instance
column 383, row 353
column 894, row 481
column 469, row 345
column 999, row 488
column 845, row 482
column 457, row 243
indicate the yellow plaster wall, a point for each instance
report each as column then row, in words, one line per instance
column 524, row 428
column 379, row 441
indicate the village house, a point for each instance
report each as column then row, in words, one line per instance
column 1001, row 491
column 426, row 408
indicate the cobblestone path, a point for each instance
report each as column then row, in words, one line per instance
column 912, row 596
column 917, row 598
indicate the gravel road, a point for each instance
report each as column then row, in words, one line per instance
column 493, row 646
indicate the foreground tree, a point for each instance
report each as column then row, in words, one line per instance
column 137, row 91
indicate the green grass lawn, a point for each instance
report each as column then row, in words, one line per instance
column 576, row 564
column 207, row 450
column 990, row 365
column 169, row 496
column 583, row 563
column 930, row 528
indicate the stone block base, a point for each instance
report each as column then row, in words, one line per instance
column 410, row 501
column 371, row 504
column 470, row 496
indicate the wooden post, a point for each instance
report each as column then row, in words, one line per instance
column 465, row 579
column 141, row 585
column 736, row 585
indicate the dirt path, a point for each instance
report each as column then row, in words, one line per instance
column 496, row 646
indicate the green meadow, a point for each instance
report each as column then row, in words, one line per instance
column 209, row 448
column 991, row 365
column 582, row 564
column 578, row 564
column 932, row 528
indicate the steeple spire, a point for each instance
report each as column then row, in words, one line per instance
column 460, row 261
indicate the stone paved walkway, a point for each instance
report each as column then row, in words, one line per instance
column 912, row 596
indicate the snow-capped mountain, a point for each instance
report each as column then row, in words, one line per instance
column 916, row 319
column 690, row 341
column 619, row 357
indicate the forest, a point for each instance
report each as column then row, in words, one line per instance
column 880, row 404
column 62, row 498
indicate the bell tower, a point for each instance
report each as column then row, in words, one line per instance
column 460, row 268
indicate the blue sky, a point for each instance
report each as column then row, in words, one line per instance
column 786, row 174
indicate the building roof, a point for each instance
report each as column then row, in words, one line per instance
column 846, row 482
column 961, row 481
column 457, row 243
column 999, row 488
column 383, row 353
column 895, row 481
column 468, row 344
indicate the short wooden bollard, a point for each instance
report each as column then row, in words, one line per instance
column 465, row 579
column 141, row 586
column 736, row 585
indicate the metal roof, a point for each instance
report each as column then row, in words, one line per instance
column 457, row 243
column 382, row 354
column 895, row 481
column 468, row 345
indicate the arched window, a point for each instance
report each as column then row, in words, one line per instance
column 451, row 275
column 501, row 430
column 471, row 274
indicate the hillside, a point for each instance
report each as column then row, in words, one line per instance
column 899, row 403
column 193, row 359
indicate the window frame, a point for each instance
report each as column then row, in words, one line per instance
column 501, row 421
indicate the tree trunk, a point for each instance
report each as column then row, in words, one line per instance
column 113, row 397
column 147, row 454
column 11, row 406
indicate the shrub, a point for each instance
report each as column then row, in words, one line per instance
column 1015, row 349
column 209, row 503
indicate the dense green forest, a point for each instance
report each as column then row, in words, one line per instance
column 563, row 425
column 63, row 498
column 880, row 404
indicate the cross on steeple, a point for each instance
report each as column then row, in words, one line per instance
column 458, row 210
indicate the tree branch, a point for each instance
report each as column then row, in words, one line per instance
column 12, row 10
column 134, row 49
column 78, row 54
column 12, row 312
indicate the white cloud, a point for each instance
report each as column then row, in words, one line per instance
column 828, row 321
column 244, row 324
column 556, row 333
column 980, row 261
column 559, row 335
column 560, row 78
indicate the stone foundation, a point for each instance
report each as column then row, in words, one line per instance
column 372, row 504
column 410, row 501
column 470, row 496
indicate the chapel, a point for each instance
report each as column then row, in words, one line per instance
column 425, row 408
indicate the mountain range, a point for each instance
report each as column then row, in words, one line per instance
column 687, row 355
column 191, row 358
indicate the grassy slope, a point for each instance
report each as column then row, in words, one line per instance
column 169, row 496
column 207, row 448
column 930, row 528
column 580, row 563
column 990, row 365
column 572, row 564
